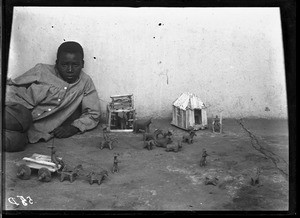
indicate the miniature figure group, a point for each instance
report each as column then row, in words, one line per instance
column 159, row 138
column 66, row 171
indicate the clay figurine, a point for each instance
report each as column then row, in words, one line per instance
column 203, row 161
column 97, row 177
column 141, row 124
column 115, row 167
column 169, row 133
column 163, row 142
column 70, row 173
column 150, row 136
column 255, row 180
column 190, row 137
column 174, row 147
column 108, row 141
column 209, row 181
column 149, row 144
column 54, row 157
column 217, row 125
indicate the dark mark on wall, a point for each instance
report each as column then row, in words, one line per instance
column 159, row 24
column 267, row 109
column 52, row 26
column 64, row 40
column 153, row 37
column 94, row 57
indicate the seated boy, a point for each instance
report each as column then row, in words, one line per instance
column 50, row 101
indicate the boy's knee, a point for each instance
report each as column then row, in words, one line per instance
column 17, row 121
column 17, row 117
column 15, row 141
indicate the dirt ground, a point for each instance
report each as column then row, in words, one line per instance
column 160, row 180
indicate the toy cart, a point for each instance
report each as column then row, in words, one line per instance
column 42, row 163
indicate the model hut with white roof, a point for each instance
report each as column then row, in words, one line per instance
column 189, row 111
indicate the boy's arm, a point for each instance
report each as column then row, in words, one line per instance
column 90, row 116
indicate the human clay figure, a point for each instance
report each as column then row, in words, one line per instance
column 55, row 159
column 203, row 161
column 49, row 101
column 216, row 124
column 115, row 167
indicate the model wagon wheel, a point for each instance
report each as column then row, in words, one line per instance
column 44, row 175
column 23, row 172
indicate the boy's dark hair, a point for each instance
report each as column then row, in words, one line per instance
column 70, row 47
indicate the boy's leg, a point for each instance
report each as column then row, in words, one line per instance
column 16, row 122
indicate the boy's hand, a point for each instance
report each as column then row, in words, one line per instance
column 65, row 131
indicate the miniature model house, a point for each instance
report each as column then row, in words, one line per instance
column 189, row 111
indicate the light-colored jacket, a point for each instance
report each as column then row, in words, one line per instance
column 51, row 100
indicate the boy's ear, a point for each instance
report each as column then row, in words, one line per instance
column 82, row 63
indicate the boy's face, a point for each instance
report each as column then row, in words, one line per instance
column 69, row 66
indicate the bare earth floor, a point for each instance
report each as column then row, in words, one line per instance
column 160, row 180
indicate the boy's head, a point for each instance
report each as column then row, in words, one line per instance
column 69, row 61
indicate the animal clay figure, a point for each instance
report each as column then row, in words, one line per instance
column 174, row 147
column 149, row 144
column 70, row 173
column 213, row 181
column 190, row 137
column 163, row 142
column 115, row 167
column 151, row 136
column 108, row 141
column 141, row 124
column 169, row 133
column 255, row 181
column 97, row 177
column 203, row 161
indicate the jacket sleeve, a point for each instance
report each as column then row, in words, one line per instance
column 25, row 89
column 90, row 116
column 31, row 76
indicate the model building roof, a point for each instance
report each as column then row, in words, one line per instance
column 188, row 101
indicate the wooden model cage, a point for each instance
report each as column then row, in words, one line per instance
column 121, row 113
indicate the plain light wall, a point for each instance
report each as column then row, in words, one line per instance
column 232, row 58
